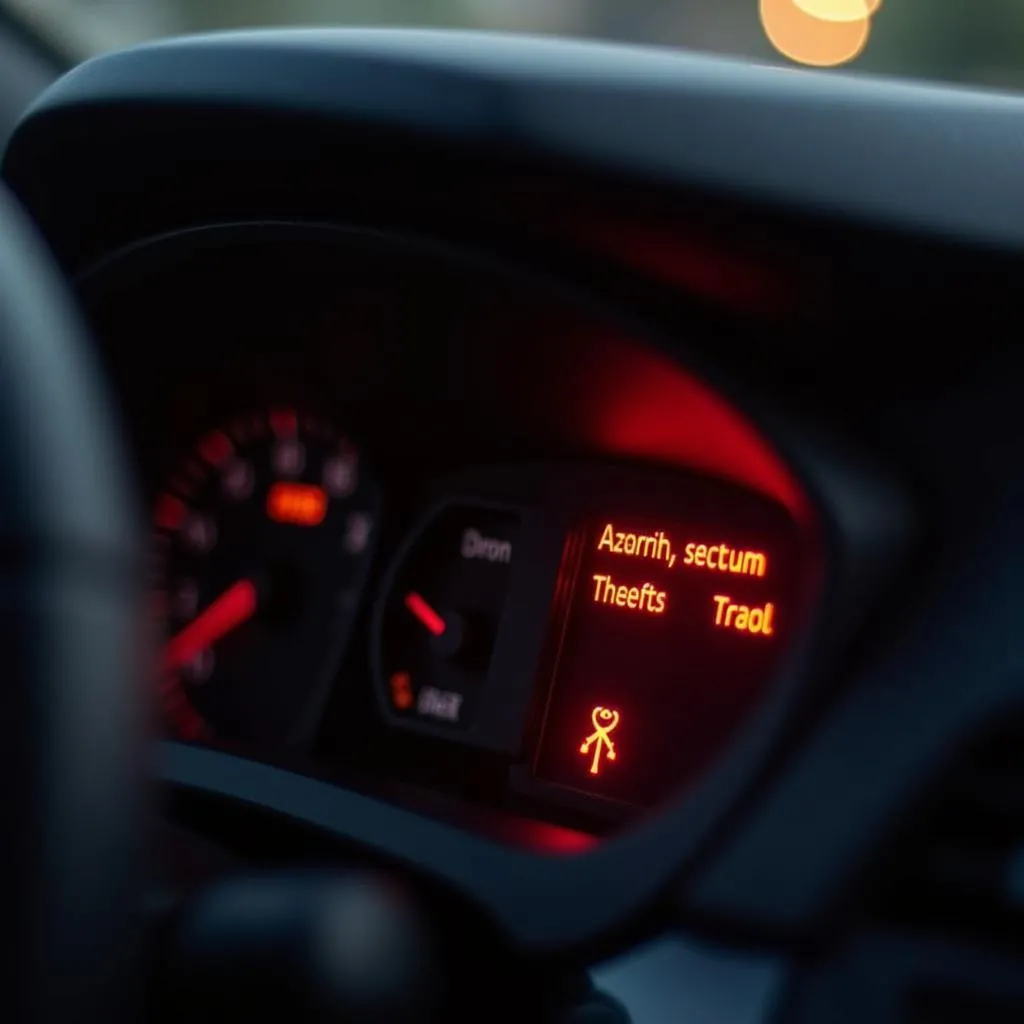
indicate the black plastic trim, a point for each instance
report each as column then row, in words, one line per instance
column 939, row 160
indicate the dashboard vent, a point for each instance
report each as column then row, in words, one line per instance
column 961, row 869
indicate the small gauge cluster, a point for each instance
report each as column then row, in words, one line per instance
column 438, row 623
column 590, row 636
column 263, row 539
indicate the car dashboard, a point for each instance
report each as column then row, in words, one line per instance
column 556, row 488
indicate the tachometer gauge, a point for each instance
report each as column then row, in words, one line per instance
column 263, row 540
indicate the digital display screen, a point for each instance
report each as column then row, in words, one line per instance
column 673, row 629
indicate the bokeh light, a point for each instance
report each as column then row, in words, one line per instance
column 839, row 10
column 812, row 39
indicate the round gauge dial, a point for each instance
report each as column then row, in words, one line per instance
column 262, row 541
column 438, row 620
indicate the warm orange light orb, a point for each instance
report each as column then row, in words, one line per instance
column 812, row 40
column 839, row 10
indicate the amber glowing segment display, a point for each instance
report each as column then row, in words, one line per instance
column 672, row 630
column 299, row 504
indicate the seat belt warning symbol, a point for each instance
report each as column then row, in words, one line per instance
column 605, row 721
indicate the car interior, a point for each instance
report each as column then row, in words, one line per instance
column 508, row 528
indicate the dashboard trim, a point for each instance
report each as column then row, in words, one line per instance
column 838, row 144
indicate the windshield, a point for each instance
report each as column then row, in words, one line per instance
column 978, row 41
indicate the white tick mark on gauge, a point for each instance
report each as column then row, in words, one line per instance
column 340, row 475
column 201, row 534
column 237, row 481
column 289, row 458
column 358, row 527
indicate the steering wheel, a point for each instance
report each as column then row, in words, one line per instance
column 71, row 763
column 310, row 946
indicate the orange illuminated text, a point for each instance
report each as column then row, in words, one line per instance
column 729, row 615
column 646, row 598
column 655, row 546
column 299, row 504
column 605, row 721
column 723, row 558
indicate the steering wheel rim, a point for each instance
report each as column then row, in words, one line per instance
column 72, row 767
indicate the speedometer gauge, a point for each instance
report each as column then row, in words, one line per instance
column 262, row 539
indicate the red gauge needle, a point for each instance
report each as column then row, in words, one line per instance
column 433, row 622
column 236, row 605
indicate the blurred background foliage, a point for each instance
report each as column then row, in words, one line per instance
column 979, row 41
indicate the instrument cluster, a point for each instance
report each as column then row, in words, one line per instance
column 594, row 634
column 390, row 552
